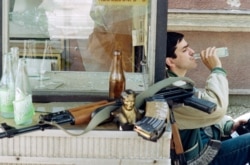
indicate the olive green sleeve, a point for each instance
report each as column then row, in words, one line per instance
column 228, row 127
column 219, row 70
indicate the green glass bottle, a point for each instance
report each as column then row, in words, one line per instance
column 7, row 88
column 23, row 106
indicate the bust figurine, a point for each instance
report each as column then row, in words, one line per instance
column 127, row 114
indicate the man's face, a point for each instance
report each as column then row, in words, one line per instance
column 185, row 59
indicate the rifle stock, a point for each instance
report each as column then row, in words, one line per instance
column 89, row 105
column 177, row 154
column 82, row 115
column 177, row 139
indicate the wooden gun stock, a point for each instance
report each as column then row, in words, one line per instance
column 82, row 114
column 176, row 144
column 176, row 140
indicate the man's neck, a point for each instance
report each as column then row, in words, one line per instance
column 178, row 73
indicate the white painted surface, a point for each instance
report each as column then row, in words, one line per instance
column 96, row 147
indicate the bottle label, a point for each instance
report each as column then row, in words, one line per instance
column 6, row 100
column 23, row 111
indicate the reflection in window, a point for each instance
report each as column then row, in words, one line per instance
column 82, row 36
column 87, row 32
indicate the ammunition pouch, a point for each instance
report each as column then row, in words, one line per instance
column 207, row 154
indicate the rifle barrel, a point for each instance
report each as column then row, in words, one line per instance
column 11, row 131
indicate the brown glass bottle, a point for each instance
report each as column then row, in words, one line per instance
column 117, row 81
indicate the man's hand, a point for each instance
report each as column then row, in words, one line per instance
column 210, row 59
column 237, row 123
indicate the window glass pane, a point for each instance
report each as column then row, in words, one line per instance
column 71, row 43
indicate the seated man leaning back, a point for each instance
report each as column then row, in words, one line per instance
column 196, row 128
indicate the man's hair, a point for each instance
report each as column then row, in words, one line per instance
column 172, row 39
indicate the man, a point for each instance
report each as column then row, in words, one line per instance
column 196, row 128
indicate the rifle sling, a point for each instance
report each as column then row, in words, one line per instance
column 101, row 116
column 104, row 114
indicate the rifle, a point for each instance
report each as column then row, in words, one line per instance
column 149, row 130
column 74, row 116
column 185, row 96
column 151, row 127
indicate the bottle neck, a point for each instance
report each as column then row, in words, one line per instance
column 7, row 75
column 117, row 62
column 22, row 80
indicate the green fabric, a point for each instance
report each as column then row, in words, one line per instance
column 171, row 74
column 219, row 70
column 191, row 142
column 228, row 127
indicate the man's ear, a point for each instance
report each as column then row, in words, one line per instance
column 169, row 62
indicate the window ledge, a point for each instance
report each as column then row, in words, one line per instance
column 79, row 86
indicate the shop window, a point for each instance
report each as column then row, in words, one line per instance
column 69, row 45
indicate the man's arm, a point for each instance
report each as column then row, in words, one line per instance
column 216, row 91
